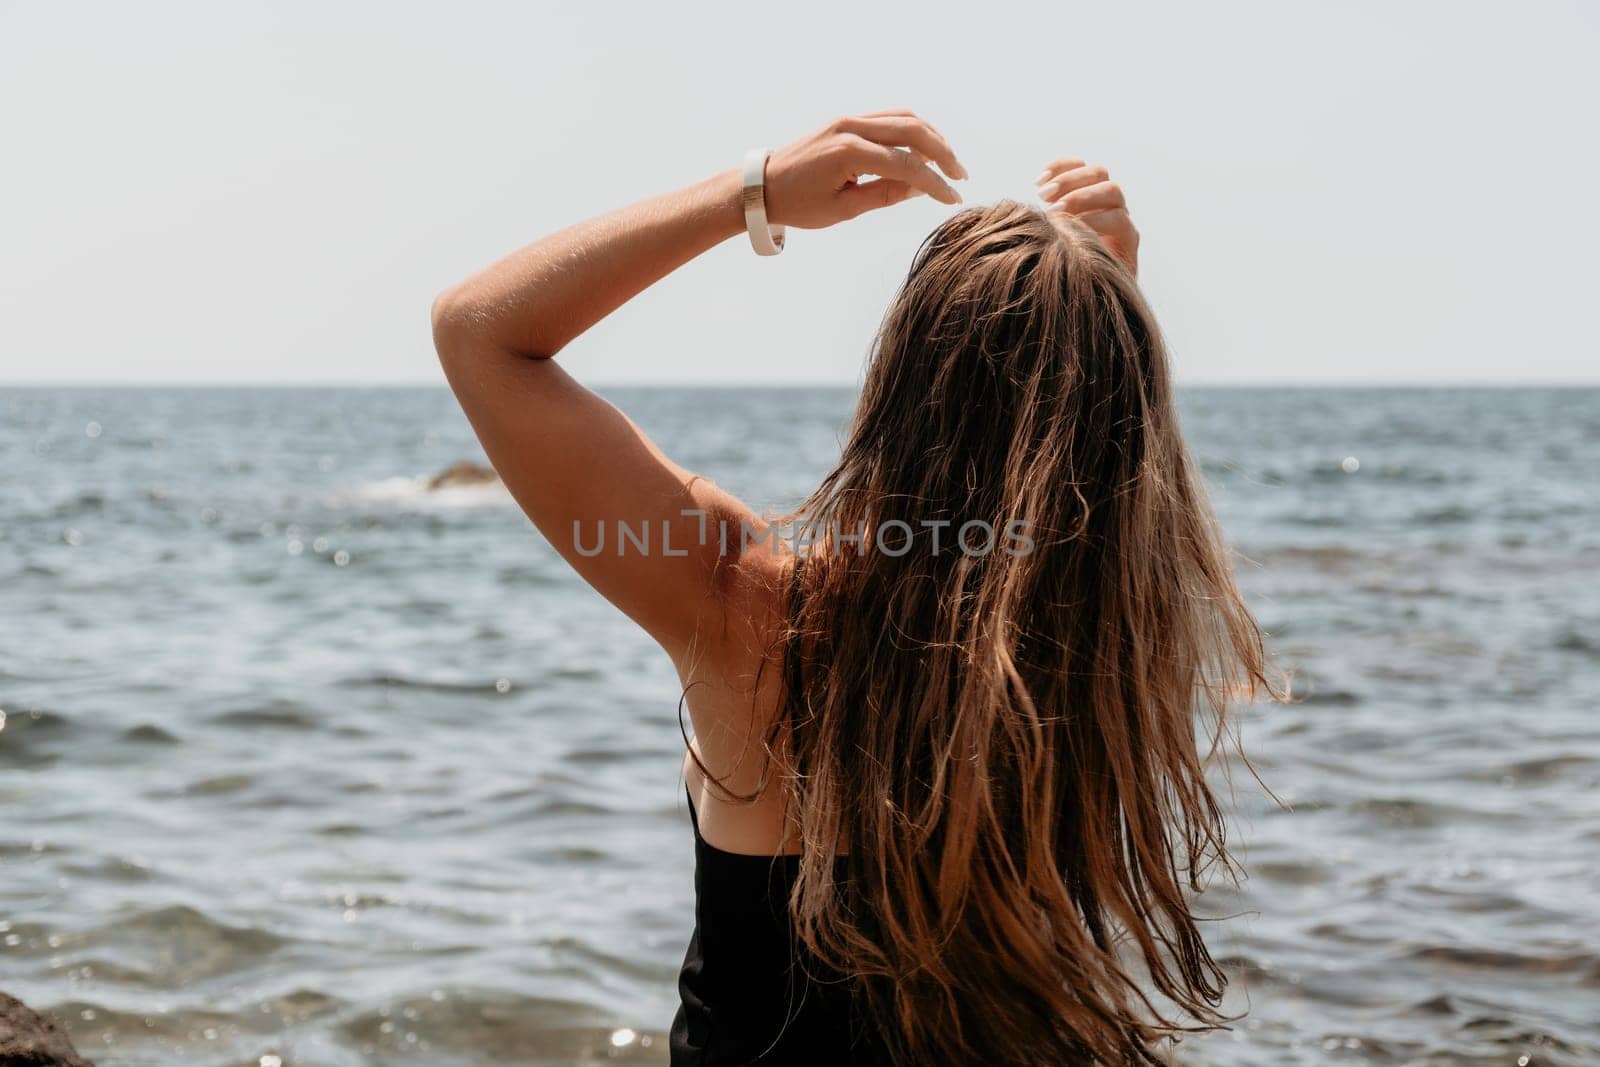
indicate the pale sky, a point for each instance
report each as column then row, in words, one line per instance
column 247, row 192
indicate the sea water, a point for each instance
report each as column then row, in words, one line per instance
column 305, row 763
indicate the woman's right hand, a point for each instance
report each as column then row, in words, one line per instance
column 816, row 181
column 1086, row 192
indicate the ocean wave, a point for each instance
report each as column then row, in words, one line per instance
column 493, row 686
column 34, row 735
column 274, row 716
column 149, row 733
column 1539, row 769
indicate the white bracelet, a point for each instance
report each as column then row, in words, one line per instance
column 766, row 240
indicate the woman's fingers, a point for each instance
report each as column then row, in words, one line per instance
column 1066, row 181
column 907, row 131
column 1055, row 168
column 899, row 165
column 1088, row 199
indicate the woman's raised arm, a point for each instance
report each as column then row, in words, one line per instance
column 579, row 467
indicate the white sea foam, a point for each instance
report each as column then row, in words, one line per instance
column 413, row 494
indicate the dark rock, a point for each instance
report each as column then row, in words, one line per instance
column 28, row 1039
column 463, row 473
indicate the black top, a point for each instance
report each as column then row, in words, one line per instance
column 750, row 993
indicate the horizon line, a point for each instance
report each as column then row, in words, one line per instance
column 420, row 383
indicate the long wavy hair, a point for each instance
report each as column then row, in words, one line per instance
column 988, row 734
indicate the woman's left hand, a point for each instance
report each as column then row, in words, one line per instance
column 1086, row 192
column 815, row 181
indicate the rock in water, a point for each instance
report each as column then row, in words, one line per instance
column 463, row 473
column 28, row 1039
